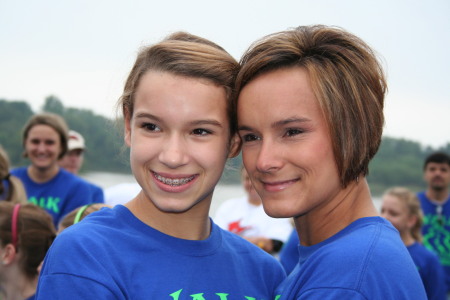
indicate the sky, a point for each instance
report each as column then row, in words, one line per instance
column 81, row 51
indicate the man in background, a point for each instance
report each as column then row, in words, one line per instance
column 72, row 161
column 436, row 208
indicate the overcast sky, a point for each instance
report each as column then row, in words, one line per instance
column 82, row 50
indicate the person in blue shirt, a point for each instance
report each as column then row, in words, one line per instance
column 46, row 184
column 26, row 233
column 310, row 117
column 401, row 207
column 289, row 252
column 11, row 188
column 435, row 204
column 180, row 126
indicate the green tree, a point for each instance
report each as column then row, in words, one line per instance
column 53, row 105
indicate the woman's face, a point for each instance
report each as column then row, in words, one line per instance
column 179, row 139
column 396, row 212
column 43, row 146
column 286, row 148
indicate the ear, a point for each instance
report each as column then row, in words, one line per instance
column 235, row 146
column 8, row 254
column 127, row 130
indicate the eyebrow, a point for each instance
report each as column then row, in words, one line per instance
column 194, row 123
column 280, row 123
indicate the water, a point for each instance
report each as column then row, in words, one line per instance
column 221, row 193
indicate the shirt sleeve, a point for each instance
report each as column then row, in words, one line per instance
column 68, row 287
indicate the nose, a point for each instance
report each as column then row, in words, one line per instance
column 41, row 146
column 268, row 159
column 174, row 152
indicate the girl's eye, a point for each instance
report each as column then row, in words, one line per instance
column 201, row 131
column 246, row 138
column 150, row 127
column 293, row 132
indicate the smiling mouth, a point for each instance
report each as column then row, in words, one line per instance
column 173, row 181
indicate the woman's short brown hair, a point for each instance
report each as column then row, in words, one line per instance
column 347, row 80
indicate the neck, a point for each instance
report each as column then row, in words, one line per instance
column 17, row 286
column 193, row 224
column 437, row 195
column 407, row 239
column 42, row 175
column 349, row 204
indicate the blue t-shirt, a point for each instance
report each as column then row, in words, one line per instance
column 289, row 252
column 430, row 270
column 365, row 260
column 58, row 196
column 436, row 231
column 111, row 254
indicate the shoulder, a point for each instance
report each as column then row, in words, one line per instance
column 366, row 245
column 360, row 257
column 19, row 172
column 420, row 254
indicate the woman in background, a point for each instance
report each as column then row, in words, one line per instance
column 401, row 207
column 48, row 185
column 26, row 233
column 11, row 188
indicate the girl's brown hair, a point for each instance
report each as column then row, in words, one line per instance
column 35, row 233
column 187, row 55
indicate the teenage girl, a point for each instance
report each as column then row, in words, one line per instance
column 180, row 126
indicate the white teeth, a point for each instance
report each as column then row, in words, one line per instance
column 174, row 182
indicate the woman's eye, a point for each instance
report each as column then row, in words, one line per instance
column 201, row 131
column 150, row 127
column 249, row 138
column 293, row 132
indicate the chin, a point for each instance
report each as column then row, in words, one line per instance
column 275, row 211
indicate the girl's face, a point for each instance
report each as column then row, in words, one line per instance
column 179, row 139
column 286, row 148
column 396, row 212
column 43, row 146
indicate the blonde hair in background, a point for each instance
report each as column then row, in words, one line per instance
column 413, row 205
column 14, row 192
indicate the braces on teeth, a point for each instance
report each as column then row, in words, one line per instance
column 174, row 182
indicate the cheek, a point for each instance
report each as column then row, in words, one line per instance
column 249, row 159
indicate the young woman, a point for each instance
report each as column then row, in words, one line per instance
column 26, row 233
column 310, row 115
column 46, row 184
column 11, row 188
column 180, row 126
column 401, row 207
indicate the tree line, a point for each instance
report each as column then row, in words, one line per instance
column 397, row 162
